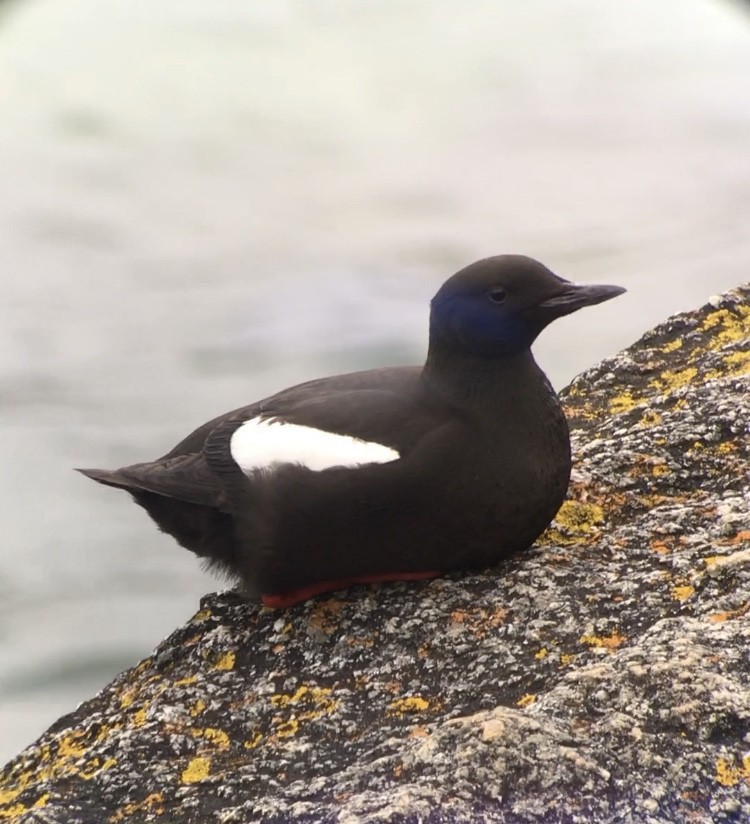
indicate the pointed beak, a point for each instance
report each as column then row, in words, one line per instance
column 575, row 296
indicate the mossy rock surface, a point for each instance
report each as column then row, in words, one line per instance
column 604, row 675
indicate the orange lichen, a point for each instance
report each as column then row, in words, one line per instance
column 728, row 615
column 609, row 642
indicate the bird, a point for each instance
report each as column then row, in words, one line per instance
column 394, row 473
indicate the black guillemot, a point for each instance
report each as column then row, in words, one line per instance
column 388, row 474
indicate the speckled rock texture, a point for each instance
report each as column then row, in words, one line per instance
column 603, row 676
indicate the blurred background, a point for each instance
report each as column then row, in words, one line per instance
column 202, row 203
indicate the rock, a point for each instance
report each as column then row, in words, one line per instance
column 602, row 676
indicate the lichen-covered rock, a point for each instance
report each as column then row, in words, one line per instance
column 602, row 676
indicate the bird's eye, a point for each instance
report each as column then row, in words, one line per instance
column 497, row 294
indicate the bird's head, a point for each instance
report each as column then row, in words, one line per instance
column 497, row 306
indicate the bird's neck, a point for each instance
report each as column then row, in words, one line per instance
column 465, row 379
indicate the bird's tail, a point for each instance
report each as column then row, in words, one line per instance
column 109, row 477
column 200, row 527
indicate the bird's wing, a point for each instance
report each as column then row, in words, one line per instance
column 298, row 402
column 331, row 427
column 381, row 415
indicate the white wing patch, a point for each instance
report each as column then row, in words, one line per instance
column 263, row 444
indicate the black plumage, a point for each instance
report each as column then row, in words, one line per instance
column 483, row 459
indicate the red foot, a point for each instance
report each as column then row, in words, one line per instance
column 283, row 600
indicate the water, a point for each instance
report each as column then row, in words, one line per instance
column 203, row 203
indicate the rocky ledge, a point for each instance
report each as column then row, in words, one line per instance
column 602, row 676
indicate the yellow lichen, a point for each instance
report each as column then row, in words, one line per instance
column 726, row 448
column 737, row 363
column 659, row 470
column 151, row 802
column 318, row 698
column 579, row 517
column 735, row 325
column 306, row 704
column 623, row 402
column 127, row 698
column 202, row 614
column 567, row 658
column 729, row 775
column 541, row 654
column 6, row 796
column 197, row 770
column 283, row 699
column 682, row 593
column 526, row 700
column 92, row 768
column 670, row 380
column 673, row 346
column 214, row 736
column 650, row 418
column 413, row 703
column 139, row 717
column 577, row 522
column 287, row 728
column 252, row 743
column 198, row 707
column 184, row 682
column 226, row 662
column 64, row 756
column 71, row 746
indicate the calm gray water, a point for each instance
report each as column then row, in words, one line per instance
column 204, row 202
